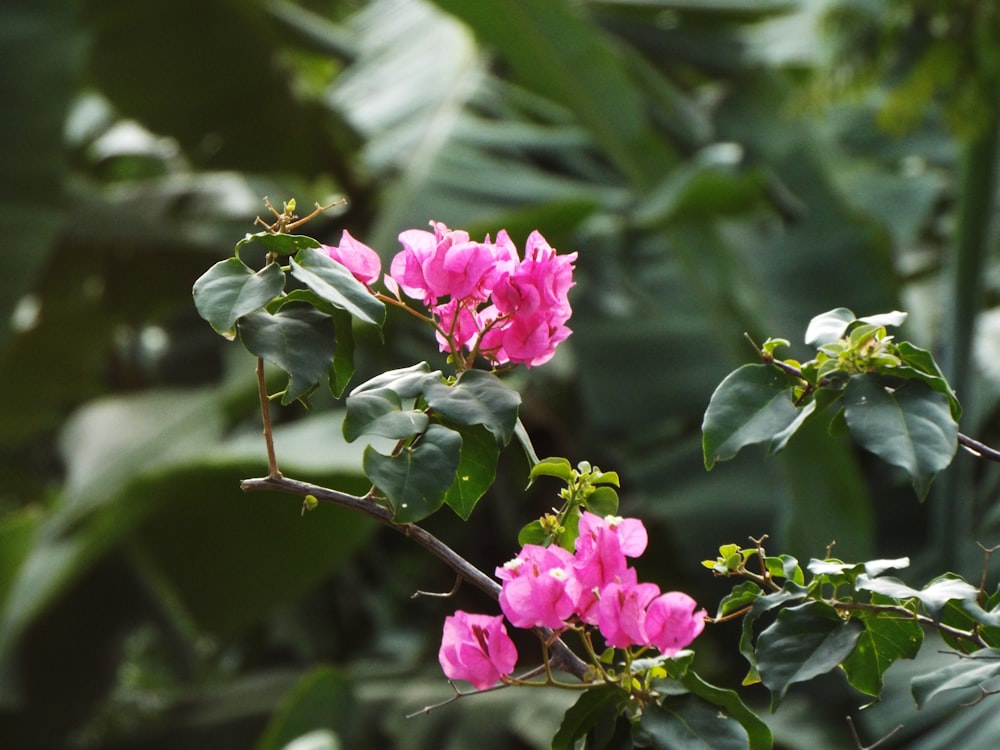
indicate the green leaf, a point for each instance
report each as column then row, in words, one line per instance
column 752, row 405
column 920, row 364
column 743, row 595
column 321, row 699
column 884, row 641
column 910, row 427
column 758, row 734
column 934, row 596
column 805, row 641
column 406, row 382
column 558, row 467
column 595, row 707
column 689, row 722
column 230, row 289
column 477, row 398
column 980, row 670
column 299, row 340
column 532, row 533
column 380, row 412
column 791, row 591
column 828, row 327
column 335, row 284
column 279, row 244
column 603, row 501
column 477, row 469
column 415, row 480
column 342, row 368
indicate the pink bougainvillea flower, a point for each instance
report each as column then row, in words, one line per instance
column 363, row 262
column 445, row 263
column 671, row 622
column 477, row 649
column 600, row 558
column 539, row 588
column 621, row 613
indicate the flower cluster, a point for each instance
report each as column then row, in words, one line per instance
column 553, row 588
column 483, row 298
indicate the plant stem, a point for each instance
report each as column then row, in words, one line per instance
column 265, row 413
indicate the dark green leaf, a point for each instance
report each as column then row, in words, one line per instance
column 342, row 367
column 380, row 412
column 279, row 244
column 980, row 671
column 406, row 382
column 230, row 289
column 919, row 364
column 603, row 501
column 477, row 398
column 910, row 427
column 884, row 641
column 415, row 481
column 805, row 641
column 689, row 722
column 758, row 734
column 596, row 706
column 743, row 595
column 299, row 340
column 789, row 592
column 477, row 469
column 532, row 533
column 334, row 283
column 752, row 405
column 828, row 327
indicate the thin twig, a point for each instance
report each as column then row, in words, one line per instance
column 438, row 595
column 857, row 740
column 976, row 448
column 562, row 657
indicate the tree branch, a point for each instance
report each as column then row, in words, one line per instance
column 562, row 657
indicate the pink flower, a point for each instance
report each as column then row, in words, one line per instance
column 359, row 259
column 621, row 612
column 671, row 622
column 444, row 264
column 601, row 549
column 477, row 649
column 538, row 588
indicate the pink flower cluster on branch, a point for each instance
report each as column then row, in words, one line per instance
column 483, row 298
column 594, row 586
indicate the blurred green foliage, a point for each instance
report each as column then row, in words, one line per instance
column 678, row 146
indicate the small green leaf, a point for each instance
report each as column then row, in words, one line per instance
column 743, row 595
column 596, row 706
column 910, row 427
column 805, row 641
column 752, row 405
column 828, row 327
column 533, row 533
column 335, row 284
column 380, row 412
column 476, row 398
column 416, row 479
column 342, row 367
column 560, row 468
column 299, row 340
column 477, row 469
column 230, row 289
column 279, row 244
column 603, row 501
column 919, row 364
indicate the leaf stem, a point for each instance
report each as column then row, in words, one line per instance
column 265, row 413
